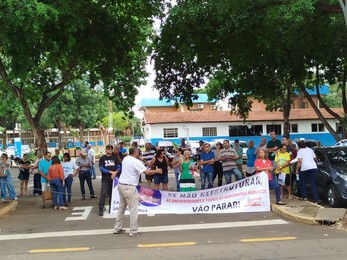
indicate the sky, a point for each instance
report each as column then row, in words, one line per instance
column 146, row 91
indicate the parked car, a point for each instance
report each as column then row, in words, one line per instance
column 193, row 146
column 331, row 179
column 311, row 143
column 342, row 142
column 24, row 147
column 165, row 145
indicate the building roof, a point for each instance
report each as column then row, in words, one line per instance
column 323, row 90
column 155, row 102
column 224, row 116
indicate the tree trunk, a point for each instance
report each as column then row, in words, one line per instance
column 39, row 134
column 300, row 99
column 4, row 139
column 286, row 111
column 319, row 114
column 81, row 128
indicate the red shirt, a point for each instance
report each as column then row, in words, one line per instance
column 263, row 164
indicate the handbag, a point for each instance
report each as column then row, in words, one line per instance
column 4, row 173
column 282, row 178
column 47, row 195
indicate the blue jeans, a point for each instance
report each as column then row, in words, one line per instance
column 6, row 183
column 67, row 188
column 92, row 171
column 273, row 184
column 308, row 177
column 86, row 177
column 274, row 169
column 235, row 171
column 209, row 177
column 177, row 174
column 57, row 191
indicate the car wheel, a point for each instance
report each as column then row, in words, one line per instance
column 295, row 186
column 333, row 196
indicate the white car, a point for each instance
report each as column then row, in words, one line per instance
column 342, row 142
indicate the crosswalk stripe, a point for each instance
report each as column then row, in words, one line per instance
column 59, row 250
column 266, row 239
column 166, row 244
column 146, row 229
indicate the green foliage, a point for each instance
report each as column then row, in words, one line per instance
column 121, row 122
column 257, row 48
column 126, row 139
column 48, row 45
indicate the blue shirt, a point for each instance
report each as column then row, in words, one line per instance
column 121, row 151
column 251, row 157
column 43, row 166
column 206, row 157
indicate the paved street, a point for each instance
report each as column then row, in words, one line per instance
column 31, row 232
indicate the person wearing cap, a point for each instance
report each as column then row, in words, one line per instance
column 83, row 162
column 91, row 155
column 109, row 166
column 206, row 162
column 239, row 151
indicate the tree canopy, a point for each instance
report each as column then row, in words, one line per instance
column 47, row 45
column 262, row 48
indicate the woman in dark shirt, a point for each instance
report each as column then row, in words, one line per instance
column 160, row 161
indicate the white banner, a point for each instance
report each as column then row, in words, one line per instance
column 248, row 195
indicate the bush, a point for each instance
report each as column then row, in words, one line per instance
column 126, row 139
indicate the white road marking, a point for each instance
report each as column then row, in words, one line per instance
column 80, row 215
column 146, row 229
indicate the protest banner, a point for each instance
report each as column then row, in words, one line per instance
column 247, row 195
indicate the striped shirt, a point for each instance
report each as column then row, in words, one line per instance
column 229, row 163
column 148, row 155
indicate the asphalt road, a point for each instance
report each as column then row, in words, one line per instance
column 79, row 233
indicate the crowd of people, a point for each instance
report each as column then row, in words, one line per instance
column 57, row 172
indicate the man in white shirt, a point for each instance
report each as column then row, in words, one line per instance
column 91, row 155
column 128, row 194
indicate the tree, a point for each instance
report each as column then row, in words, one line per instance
column 80, row 106
column 123, row 124
column 262, row 48
column 47, row 45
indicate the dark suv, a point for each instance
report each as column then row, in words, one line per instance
column 331, row 179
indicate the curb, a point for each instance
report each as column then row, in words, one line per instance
column 9, row 207
column 280, row 210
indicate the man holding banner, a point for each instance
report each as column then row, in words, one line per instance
column 128, row 194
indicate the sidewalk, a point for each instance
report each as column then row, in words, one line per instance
column 295, row 210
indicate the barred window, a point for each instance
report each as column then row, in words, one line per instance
column 294, row 128
column 170, row 132
column 317, row 127
column 209, row 131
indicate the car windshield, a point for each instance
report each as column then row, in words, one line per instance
column 337, row 156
